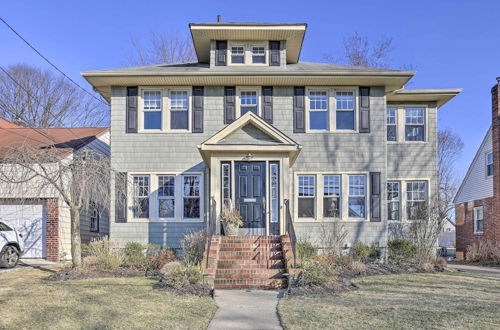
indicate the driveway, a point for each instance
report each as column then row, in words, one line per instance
column 26, row 263
column 492, row 271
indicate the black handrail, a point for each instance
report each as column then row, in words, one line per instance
column 212, row 227
column 290, row 230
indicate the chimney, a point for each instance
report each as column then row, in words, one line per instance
column 494, row 226
column 218, row 18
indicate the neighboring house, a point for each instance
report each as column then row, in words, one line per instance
column 477, row 202
column 41, row 215
column 250, row 124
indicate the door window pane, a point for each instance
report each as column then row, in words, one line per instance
column 226, row 184
column 331, row 196
column 191, row 196
column 357, row 196
column 274, row 192
column 306, row 196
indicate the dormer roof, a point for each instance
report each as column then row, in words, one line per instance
column 203, row 33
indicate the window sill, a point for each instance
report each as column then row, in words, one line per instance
column 479, row 233
column 175, row 131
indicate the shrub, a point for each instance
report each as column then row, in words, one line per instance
column 484, row 252
column 306, row 250
column 375, row 251
column 162, row 258
column 317, row 273
column 193, row 246
column 182, row 276
column 90, row 262
column 108, row 254
column 428, row 267
column 357, row 266
column 441, row 263
column 360, row 251
column 135, row 257
column 402, row 250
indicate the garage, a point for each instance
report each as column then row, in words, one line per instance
column 28, row 220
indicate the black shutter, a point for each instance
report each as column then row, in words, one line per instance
column 267, row 104
column 221, row 52
column 375, row 196
column 121, row 197
column 364, row 110
column 198, row 109
column 274, row 53
column 299, row 110
column 229, row 104
column 131, row 117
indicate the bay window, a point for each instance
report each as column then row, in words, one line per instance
column 345, row 108
column 179, row 109
column 357, row 196
column 318, row 110
column 414, row 124
column 152, row 110
column 306, row 196
column 331, row 196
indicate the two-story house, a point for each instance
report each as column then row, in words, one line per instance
column 477, row 202
column 251, row 124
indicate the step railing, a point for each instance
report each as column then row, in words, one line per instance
column 290, row 231
column 212, row 227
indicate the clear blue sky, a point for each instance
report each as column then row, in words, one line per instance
column 452, row 43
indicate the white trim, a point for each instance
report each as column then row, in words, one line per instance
column 256, row 89
column 475, row 220
column 247, row 52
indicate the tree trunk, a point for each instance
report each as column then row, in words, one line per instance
column 76, row 242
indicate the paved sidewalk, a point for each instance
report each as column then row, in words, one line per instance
column 246, row 309
column 494, row 271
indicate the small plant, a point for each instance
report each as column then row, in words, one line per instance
column 402, row 250
column 163, row 257
column 306, row 250
column 193, row 246
column 375, row 251
column 135, row 257
column 317, row 273
column 231, row 220
column 483, row 252
column 360, row 251
column 182, row 276
column 428, row 267
column 441, row 263
column 357, row 266
column 108, row 254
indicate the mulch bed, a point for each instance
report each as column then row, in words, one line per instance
column 196, row 289
column 70, row 273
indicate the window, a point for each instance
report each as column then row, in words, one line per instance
column 274, row 193
column 392, row 123
column 258, row 55
column 416, row 199
column 166, row 196
column 306, row 195
column 237, row 54
column 414, row 124
column 345, row 106
column 179, row 109
column 94, row 217
column 478, row 220
column 191, row 196
column 331, row 196
column 152, row 109
column 489, row 164
column 393, row 199
column 248, row 102
column 226, row 184
column 357, row 199
column 140, row 208
column 318, row 110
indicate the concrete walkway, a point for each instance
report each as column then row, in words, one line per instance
column 492, row 271
column 33, row 263
column 246, row 309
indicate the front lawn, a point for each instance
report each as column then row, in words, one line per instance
column 410, row 301
column 28, row 301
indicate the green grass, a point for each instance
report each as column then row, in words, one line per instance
column 28, row 301
column 412, row 301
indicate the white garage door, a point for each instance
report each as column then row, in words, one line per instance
column 29, row 220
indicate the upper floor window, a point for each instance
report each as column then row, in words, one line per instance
column 393, row 199
column 237, row 54
column 318, row 110
column 489, row 164
column 258, row 55
column 179, row 109
column 152, row 109
column 345, row 106
column 248, row 102
column 392, row 124
column 306, row 196
column 416, row 199
column 357, row 196
column 478, row 220
column 331, row 196
column 140, row 196
column 415, row 124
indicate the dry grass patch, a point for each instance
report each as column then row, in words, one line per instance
column 31, row 302
column 410, row 301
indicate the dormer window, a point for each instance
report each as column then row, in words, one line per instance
column 237, row 54
column 258, row 55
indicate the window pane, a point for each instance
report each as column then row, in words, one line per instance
column 237, row 59
column 331, row 207
column 246, row 109
column 414, row 116
column 306, row 207
column 258, row 59
column 248, row 98
column 307, row 185
column 192, row 185
column 166, row 185
column 357, row 190
column 237, row 50
column 416, row 196
column 345, row 119
column 179, row 100
column 318, row 120
column 318, row 100
column 274, row 191
column 393, row 196
column 192, row 208
column 391, row 116
column 152, row 120
column 345, row 100
column 414, row 133
column 391, row 133
column 356, row 185
column 166, row 208
column 357, row 207
column 152, row 100
column 179, row 120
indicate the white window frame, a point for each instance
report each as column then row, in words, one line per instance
column 200, row 196
column 487, row 154
column 395, row 124
column 424, row 124
column 478, row 215
column 94, row 218
column 226, row 165
column 274, row 191
column 134, row 195
column 340, row 199
column 401, row 121
column 394, row 200
column 255, row 89
column 242, row 55
column 158, row 197
column 264, row 54
column 353, row 110
column 248, row 50
column 313, row 197
column 143, row 111
column 407, row 200
column 364, row 195
column 327, row 110
column 188, row 110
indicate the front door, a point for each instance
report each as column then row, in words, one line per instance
column 251, row 196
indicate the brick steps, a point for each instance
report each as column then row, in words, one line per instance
column 249, row 264
column 256, row 283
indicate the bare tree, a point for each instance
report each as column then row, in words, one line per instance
column 39, row 98
column 81, row 179
column 170, row 47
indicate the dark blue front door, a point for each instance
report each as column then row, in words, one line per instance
column 251, row 196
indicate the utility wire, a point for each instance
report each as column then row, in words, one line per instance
column 48, row 61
